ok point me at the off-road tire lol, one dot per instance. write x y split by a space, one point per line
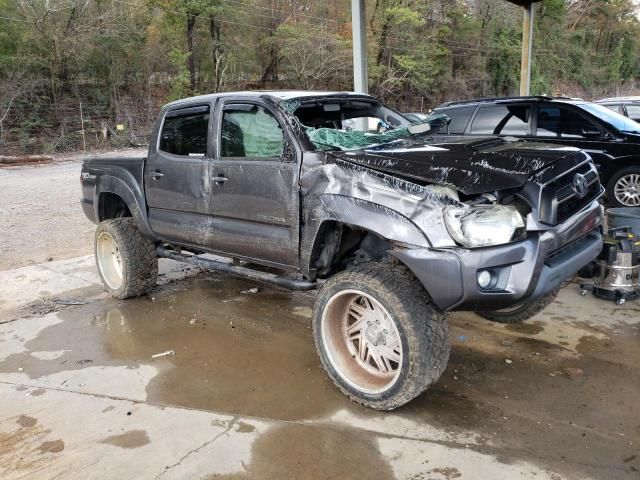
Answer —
422 329
138 258
611 184
522 312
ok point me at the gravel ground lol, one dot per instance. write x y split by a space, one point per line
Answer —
40 214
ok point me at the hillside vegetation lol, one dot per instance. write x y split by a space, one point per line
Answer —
72 70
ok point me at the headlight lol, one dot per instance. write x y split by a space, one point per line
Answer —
484 225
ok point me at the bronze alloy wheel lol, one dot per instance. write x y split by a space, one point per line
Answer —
362 341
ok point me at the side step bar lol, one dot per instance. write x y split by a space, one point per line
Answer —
270 278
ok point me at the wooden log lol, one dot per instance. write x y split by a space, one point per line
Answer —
24 159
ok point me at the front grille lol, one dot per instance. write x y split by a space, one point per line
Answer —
559 199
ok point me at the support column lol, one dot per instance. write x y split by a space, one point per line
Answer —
358 22
527 41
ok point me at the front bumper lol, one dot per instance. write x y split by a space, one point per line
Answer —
527 269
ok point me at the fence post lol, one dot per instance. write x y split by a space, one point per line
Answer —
84 140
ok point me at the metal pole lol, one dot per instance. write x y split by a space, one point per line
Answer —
358 25
84 141
527 41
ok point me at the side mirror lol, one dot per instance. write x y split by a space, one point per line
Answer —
438 124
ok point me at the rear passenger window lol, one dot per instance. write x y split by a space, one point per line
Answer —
459 118
184 132
501 120
250 131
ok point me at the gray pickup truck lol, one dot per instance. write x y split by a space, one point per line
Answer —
394 229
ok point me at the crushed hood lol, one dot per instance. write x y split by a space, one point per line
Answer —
470 165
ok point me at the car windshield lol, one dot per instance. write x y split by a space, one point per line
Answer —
617 121
342 123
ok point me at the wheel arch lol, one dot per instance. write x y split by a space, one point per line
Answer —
346 224
632 164
617 165
110 190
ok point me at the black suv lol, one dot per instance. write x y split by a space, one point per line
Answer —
612 140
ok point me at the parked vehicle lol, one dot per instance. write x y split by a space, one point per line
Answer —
394 230
612 140
627 106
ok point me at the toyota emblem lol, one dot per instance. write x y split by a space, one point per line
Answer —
579 185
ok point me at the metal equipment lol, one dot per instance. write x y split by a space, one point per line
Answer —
616 271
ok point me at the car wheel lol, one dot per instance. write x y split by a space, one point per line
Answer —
522 312
379 338
125 258
623 190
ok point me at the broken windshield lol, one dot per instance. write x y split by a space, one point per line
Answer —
327 139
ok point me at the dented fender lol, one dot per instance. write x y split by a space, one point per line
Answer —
373 217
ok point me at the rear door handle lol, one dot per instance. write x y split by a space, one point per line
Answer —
156 175
220 179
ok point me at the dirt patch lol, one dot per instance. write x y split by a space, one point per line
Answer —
26 421
130 439
53 446
530 328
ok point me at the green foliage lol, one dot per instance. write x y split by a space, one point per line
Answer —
179 82
123 59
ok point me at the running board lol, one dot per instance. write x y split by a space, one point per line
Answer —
270 278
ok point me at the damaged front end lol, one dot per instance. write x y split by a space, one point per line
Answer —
517 245
484 224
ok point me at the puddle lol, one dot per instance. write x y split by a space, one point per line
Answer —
321 453
254 355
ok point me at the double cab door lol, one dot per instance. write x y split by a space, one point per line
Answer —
226 186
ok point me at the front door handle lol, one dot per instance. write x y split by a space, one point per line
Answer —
220 179
156 175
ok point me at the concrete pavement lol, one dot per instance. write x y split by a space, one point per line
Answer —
243 395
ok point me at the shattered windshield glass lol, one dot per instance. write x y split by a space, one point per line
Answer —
327 139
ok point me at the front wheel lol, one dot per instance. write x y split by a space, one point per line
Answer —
522 312
623 190
379 338
125 258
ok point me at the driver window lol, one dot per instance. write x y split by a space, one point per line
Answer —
250 131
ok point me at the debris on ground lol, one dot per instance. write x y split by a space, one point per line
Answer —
70 301
573 372
508 361
251 291
163 354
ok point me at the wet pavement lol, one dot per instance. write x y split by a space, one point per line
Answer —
238 391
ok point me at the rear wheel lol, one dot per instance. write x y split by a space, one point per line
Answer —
623 190
379 338
125 258
522 312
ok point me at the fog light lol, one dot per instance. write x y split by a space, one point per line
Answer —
484 278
